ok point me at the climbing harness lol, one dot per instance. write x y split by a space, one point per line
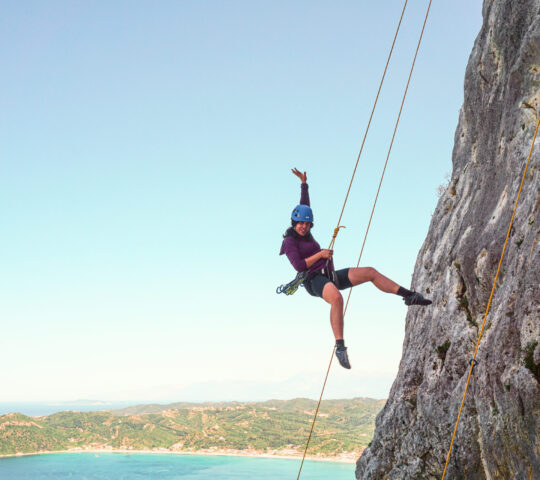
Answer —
376 197
473 361
302 277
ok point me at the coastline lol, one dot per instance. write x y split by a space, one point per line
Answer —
346 457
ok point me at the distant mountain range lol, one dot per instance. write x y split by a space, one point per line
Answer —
362 381
278 427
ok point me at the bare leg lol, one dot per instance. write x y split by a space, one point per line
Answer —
369 274
333 296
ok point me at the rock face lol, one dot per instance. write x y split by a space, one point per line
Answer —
499 432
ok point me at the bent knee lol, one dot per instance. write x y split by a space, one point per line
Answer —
337 300
371 273
334 297
331 294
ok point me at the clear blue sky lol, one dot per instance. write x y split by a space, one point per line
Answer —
145 156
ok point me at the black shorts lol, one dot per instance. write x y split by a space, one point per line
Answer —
314 284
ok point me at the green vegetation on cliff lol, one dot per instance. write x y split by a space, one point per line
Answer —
273 426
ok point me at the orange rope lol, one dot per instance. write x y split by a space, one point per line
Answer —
473 360
316 412
390 148
372 112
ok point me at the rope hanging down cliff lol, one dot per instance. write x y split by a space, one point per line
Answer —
336 230
473 361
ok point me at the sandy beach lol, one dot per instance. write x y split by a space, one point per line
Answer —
346 457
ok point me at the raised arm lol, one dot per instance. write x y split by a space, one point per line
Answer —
304 193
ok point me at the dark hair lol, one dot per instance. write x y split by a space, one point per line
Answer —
291 232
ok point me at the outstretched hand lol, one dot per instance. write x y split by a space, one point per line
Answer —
300 175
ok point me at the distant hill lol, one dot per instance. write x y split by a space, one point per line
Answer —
296 404
163 407
272 427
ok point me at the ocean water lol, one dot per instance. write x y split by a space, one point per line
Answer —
40 409
122 466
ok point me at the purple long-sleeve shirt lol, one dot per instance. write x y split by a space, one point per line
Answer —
299 248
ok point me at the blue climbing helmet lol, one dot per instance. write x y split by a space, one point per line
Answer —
302 213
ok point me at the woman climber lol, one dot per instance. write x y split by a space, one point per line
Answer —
322 279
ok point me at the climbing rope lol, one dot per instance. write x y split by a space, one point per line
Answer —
369 122
315 414
390 148
336 230
473 361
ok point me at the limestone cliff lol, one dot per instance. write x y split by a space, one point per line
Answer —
499 433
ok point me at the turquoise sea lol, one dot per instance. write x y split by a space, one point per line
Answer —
122 466
41 409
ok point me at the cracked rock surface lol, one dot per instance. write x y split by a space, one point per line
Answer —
499 432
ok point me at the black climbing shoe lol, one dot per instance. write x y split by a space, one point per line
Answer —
341 354
416 299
